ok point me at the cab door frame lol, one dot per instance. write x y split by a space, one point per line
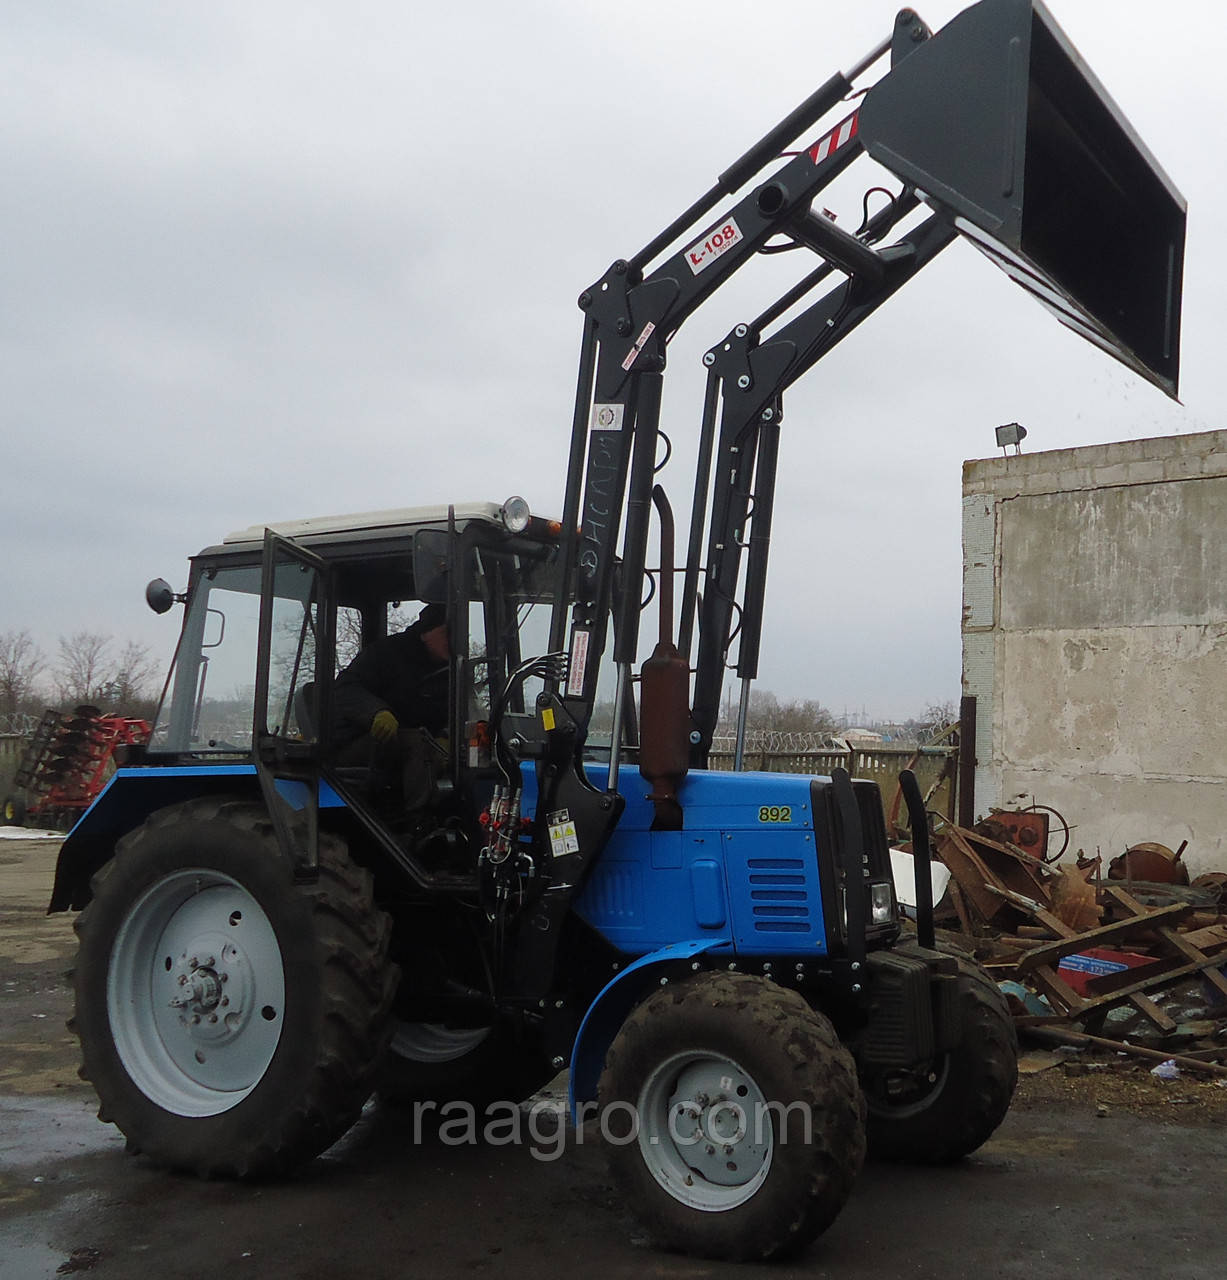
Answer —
288 763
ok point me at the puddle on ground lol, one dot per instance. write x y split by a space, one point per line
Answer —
30 1260
36 1134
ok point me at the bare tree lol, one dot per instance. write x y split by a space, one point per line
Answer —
21 663
769 715
90 671
932 723
81 670
132 678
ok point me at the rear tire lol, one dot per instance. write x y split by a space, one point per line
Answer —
956 1102
722 1162
230 1019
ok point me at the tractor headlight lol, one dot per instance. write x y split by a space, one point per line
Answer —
881 903
516 514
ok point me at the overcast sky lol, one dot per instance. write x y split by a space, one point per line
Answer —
268 260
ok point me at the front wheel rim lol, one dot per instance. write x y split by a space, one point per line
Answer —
196 993
705 1131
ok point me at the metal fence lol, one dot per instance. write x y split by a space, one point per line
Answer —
771 753
774 754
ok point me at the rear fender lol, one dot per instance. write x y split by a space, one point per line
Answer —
126 802
617 998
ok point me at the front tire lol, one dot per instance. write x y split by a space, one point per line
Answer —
951 1106
230 1020
733 1118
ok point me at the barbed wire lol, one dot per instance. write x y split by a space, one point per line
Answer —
774 740
18 724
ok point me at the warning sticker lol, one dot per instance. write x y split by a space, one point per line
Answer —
563 839
579 662
633 354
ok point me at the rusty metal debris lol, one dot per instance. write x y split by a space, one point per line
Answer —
1152 862
1138 952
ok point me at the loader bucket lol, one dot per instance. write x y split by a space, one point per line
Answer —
997 120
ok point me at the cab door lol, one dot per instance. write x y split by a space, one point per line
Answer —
293 674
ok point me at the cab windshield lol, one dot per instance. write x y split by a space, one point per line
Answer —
210 703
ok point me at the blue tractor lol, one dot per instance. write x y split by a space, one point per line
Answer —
275 922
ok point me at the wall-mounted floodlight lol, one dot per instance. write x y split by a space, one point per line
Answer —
1012 433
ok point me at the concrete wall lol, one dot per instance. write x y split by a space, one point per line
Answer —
1095 639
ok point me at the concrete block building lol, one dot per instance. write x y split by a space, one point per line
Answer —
1095 639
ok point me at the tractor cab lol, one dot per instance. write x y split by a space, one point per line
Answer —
274 615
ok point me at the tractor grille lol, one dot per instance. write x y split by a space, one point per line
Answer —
779 895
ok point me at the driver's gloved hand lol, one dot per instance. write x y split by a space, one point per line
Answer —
384 726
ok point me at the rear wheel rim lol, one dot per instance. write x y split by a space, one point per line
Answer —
434 1042
705 1132
915 1094
196 993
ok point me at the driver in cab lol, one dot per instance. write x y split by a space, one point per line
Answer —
393 690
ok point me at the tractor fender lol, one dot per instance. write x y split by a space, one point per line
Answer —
132 795
615 1000
124 803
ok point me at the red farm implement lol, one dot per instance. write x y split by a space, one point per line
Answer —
67 763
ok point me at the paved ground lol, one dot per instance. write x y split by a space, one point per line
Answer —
1062 1190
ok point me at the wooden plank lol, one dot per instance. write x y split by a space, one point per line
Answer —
1209 972
1153 983
955 895
1058 991
1057 1035
1212 938
1182 944
1061 994
1147 1007
1105 933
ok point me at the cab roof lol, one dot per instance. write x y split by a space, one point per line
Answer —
368 524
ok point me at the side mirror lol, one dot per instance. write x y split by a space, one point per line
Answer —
159 596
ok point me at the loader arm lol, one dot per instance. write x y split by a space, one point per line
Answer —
999 127
751 377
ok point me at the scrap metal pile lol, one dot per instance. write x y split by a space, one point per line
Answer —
1131 957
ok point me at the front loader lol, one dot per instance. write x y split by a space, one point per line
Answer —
269 930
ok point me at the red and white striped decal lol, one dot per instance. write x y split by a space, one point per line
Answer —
831 143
